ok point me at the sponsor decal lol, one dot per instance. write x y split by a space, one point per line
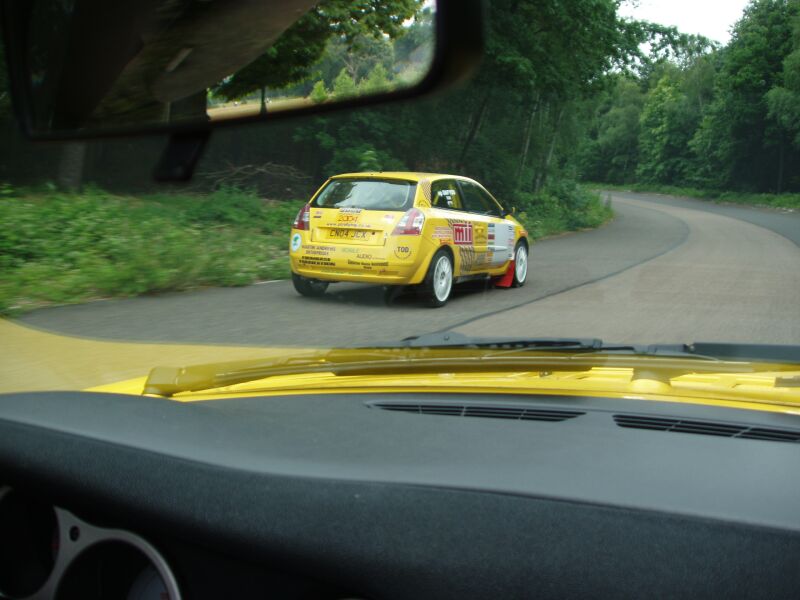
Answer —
316 261
346 250
364 255
317 214
467 256
350 209
462 234
367 264
442 233
346 217
402 252
350 225
490 234
297 242
388 219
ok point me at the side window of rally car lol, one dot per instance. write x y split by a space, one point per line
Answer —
445 194
478 201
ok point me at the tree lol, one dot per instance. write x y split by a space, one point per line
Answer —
783 103
738 145
611 150
293 55
319 94
377 81
344 86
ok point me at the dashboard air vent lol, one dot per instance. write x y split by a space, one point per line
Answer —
707 428
487 411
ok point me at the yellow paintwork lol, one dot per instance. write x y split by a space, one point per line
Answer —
36 360
383 258
44 361
755 391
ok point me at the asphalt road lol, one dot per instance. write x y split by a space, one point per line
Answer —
665 270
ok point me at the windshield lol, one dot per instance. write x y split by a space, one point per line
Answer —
369 194
610 172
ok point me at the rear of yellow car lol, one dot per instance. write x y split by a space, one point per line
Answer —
362 229
381 228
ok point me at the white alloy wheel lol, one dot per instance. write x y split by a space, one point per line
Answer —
443 278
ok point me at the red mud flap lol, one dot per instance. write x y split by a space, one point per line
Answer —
505 280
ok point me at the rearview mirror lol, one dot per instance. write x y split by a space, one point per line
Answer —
88 68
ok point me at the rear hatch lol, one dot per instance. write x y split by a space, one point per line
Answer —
359 212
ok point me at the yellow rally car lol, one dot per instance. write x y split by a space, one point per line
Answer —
422 229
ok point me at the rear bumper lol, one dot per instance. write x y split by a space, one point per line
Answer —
386 265
390 277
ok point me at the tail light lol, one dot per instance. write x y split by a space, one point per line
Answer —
411 223
302 218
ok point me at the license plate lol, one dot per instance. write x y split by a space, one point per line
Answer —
349 234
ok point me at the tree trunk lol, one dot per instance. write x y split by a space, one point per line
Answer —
527 144
263 108
781 165
70 165
474 129
542 175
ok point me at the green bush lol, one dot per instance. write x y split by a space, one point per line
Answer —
562 206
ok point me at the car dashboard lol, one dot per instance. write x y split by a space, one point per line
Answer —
395 496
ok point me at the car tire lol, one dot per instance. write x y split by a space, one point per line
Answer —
309 287
520 264
438 283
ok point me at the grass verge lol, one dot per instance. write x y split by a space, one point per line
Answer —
65 248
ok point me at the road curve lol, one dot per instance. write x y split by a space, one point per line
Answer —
657 273
729 281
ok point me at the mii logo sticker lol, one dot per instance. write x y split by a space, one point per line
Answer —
462 234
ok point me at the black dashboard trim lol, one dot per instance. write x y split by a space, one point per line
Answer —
398 538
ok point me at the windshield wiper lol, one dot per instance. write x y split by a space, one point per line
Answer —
698 350
168 381
458 340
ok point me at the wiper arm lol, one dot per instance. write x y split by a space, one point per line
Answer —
698 350
168 381
458 340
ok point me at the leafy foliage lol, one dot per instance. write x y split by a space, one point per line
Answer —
291 58
720 119
67 248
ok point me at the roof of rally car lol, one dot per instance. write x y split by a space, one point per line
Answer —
404 175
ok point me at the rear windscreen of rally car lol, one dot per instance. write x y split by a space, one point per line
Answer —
367 194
